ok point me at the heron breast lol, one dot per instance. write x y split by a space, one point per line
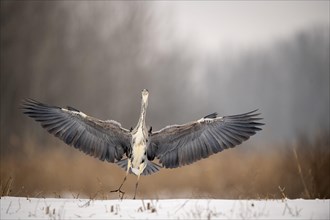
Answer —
138 137
138 155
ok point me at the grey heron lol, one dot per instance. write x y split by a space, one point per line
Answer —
136 149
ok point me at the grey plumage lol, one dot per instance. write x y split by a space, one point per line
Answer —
105 140
180 145
135 149
174 146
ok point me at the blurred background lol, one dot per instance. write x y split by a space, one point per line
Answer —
195 58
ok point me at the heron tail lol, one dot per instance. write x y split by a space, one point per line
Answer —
150 168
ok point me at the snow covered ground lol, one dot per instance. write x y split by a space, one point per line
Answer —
50 208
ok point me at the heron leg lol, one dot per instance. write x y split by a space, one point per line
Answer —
141 168
136 185
121 193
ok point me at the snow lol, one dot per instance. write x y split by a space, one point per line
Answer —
51 208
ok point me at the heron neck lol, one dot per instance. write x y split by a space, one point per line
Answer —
142 120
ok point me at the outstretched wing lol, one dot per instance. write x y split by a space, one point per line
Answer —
179 145
105 140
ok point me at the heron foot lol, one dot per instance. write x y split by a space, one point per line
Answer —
121 193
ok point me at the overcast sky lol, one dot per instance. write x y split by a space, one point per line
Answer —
97 49
213 24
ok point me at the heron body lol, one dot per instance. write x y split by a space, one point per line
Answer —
138 158
136 149
139 143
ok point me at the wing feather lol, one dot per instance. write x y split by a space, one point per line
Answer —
105 140
180 145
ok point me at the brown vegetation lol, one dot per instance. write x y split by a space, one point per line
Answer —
297 170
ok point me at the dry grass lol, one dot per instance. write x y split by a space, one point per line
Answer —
297 170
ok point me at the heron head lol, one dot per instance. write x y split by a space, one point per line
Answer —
145 95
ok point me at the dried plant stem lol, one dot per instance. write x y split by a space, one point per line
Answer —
282 192
301 174
7 187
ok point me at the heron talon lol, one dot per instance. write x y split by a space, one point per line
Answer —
121 193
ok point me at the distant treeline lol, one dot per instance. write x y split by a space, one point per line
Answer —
97 57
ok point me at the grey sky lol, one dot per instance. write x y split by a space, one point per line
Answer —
213 24
93 54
